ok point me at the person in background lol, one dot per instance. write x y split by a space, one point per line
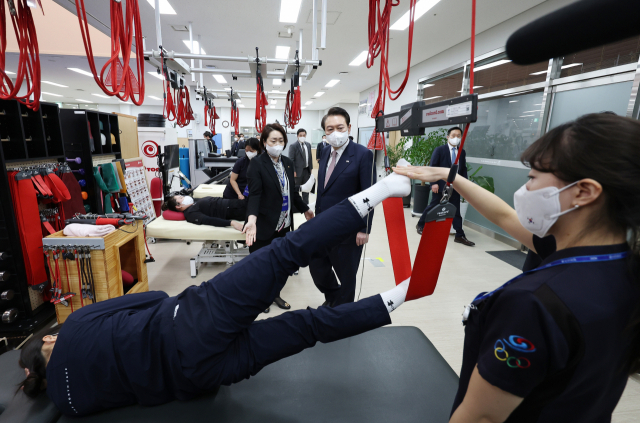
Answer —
235 188
212 145
444 156
319 148
272 194
300 153
212 211
235 145
345 169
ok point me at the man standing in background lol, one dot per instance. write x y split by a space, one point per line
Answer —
300 153
320 147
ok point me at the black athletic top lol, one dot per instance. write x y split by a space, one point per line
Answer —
239 168
208 211
116 353
555 337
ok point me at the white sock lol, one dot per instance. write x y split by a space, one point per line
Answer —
393 185
306 187
394 298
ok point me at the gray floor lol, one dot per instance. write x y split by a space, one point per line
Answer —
465 272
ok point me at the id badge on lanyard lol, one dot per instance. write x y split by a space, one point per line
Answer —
246 191
285 203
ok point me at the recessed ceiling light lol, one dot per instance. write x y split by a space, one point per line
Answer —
571 65
276 92
282 52
332 83
519 92
474 87
289 10
156 74
491 65
431 98
274 101
514 101
238 101
428 85
538 73
272 107
220 79
84 72
101 95
532 111
308 102
539 104
240 105
277 81
55 95
83 101
53 83
319 93
154 97
165 7
227 89
360 59
527 115
422 7
196 47
303 107
12 73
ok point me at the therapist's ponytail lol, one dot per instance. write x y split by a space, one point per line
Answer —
604 147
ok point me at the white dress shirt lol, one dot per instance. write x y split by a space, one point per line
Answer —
339 151
306 157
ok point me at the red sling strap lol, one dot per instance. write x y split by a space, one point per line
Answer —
58 188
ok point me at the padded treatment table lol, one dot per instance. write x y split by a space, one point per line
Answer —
391 374
213 190
20 408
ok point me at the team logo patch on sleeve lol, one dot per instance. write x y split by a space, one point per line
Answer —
515 344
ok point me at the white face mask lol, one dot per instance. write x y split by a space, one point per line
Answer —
302 139
454 141
251 154
275 151
186 201
337 139
539 210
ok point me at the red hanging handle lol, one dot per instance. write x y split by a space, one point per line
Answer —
261 108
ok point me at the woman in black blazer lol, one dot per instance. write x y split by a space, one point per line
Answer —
272 194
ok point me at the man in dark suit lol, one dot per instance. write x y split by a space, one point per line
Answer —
237 145
212 145
444 156
319 148
345 169
300 153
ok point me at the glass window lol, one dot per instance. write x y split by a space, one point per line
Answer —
506 126
500 74
607 56
568 105
364 135
440 88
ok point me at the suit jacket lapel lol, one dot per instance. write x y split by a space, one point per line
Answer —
343 162
448 153
322 171
271 170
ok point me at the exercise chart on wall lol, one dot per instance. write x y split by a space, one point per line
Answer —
138 190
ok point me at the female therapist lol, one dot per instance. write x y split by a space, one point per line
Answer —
238 181
557 344
271 198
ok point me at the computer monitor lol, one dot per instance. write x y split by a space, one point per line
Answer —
172 156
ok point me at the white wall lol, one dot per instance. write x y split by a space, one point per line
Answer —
489 40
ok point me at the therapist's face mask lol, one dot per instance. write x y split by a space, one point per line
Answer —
337 139
186 201
275 151
454 141
251 154
539 210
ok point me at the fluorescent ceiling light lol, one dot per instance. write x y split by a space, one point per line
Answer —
514 101
55 95
282 52
165 7
238 101
156 74
272 107
12 73
101 95
533 111
308 102
571 65
53 83
303 107
277 81
83 101
475 86
227 89
277 91
422 7
539 104
220 79
428 85
196 47
519 92
431 98
332 83
274 101
289 10
319 94
491 65
240 105
84 72
527 116
538 73
362 57
154 97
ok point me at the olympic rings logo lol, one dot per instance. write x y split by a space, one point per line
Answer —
150 149
517 343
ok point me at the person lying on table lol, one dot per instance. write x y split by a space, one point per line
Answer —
212 211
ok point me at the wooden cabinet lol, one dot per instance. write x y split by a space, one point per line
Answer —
128 136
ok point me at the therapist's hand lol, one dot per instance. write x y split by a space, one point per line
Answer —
250 230
309 214
435 188
423 173
236 225
361 238
240 197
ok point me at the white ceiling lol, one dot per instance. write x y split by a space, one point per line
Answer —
236 27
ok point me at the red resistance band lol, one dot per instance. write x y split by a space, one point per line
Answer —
261 105
169 108
235 117
29 57
213 116
184 116
292 111
116 76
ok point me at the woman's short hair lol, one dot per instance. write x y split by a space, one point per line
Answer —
208 134
254 144
270 127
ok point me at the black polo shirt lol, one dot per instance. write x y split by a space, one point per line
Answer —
556 338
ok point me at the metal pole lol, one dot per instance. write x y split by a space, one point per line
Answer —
314 31
158 30
200 52
323 32
174 55
193 63
300 44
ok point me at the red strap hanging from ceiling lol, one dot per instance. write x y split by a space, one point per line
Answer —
235 114
116 77
261 98
293 106
184 115
28 71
